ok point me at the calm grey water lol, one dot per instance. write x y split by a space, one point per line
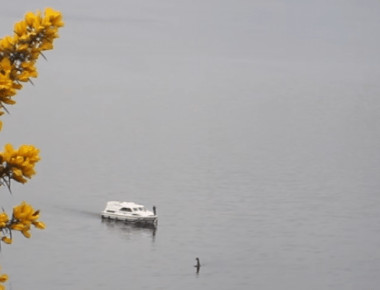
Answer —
253 126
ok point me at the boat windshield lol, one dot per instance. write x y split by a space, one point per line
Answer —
126 209
139 209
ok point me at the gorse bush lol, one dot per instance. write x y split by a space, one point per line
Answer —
18 56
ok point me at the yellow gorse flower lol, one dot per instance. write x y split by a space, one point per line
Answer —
4 219
18 53
18 164
23 217
18 56
3 278
24 212
6 240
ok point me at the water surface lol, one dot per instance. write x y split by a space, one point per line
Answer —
253 126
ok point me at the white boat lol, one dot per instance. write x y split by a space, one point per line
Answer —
129 212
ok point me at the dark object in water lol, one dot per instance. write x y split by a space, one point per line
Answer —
198 265
154 210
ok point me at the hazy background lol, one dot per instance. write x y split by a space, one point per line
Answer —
253 126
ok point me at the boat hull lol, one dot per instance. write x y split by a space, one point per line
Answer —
130 219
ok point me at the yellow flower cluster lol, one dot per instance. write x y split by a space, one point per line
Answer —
24 216
3 278
4 226
18 164
18 53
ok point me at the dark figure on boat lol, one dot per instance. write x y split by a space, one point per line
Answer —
198 265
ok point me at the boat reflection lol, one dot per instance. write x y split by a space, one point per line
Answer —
130 228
